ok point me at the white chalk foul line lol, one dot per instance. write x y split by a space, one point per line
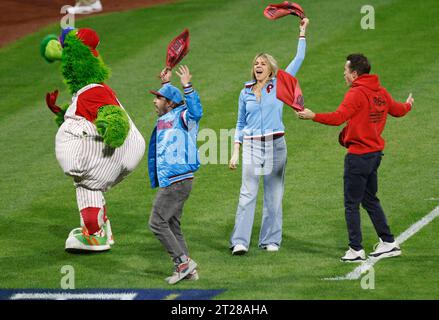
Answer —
370 262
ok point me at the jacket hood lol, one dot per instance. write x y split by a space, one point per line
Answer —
370 81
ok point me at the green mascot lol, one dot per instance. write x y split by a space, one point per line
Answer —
97 144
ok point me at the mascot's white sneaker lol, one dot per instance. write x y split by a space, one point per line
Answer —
75 231
110 238
82 241
85 9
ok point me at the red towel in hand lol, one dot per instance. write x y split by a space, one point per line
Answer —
276 11
288 91
177 49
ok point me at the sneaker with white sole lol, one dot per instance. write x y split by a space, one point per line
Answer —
182 270
239 250
192 276
108 230
271 248
352 255
75 231
82 241
385 250
85 9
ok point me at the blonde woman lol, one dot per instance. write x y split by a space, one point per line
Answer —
260 131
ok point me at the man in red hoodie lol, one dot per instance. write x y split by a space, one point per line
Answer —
365 109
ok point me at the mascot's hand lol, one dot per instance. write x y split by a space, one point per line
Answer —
58 111
51 102
113 125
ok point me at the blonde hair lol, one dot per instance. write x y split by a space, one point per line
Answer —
271 62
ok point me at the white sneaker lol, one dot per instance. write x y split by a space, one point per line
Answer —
272 248
354 256
239 250
83 241
181 271
85 9
386 250
75 231
192 276
108 232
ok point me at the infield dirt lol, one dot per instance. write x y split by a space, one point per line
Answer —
18 18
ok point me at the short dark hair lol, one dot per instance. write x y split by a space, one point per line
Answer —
359 63
174 105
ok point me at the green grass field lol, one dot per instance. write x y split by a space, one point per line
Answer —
38 206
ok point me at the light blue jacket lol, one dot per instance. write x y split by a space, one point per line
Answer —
264 117
173 154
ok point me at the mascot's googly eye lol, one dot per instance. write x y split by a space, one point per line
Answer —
51 49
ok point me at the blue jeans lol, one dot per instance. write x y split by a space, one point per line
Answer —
267 159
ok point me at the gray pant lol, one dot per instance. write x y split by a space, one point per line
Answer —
165 217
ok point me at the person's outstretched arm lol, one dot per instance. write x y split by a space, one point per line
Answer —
347 109
295 65
399 109
194 107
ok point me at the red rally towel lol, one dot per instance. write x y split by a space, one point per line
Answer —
276 11
288 91
177 49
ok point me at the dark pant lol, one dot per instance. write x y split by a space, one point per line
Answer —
165 217
360 187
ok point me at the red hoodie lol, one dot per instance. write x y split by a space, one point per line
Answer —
365 108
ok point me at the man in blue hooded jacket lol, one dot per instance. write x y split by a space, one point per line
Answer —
172 161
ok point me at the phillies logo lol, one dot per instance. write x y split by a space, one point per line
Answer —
164 125
269 87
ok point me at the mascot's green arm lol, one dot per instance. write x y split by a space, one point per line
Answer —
113 125
59 117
